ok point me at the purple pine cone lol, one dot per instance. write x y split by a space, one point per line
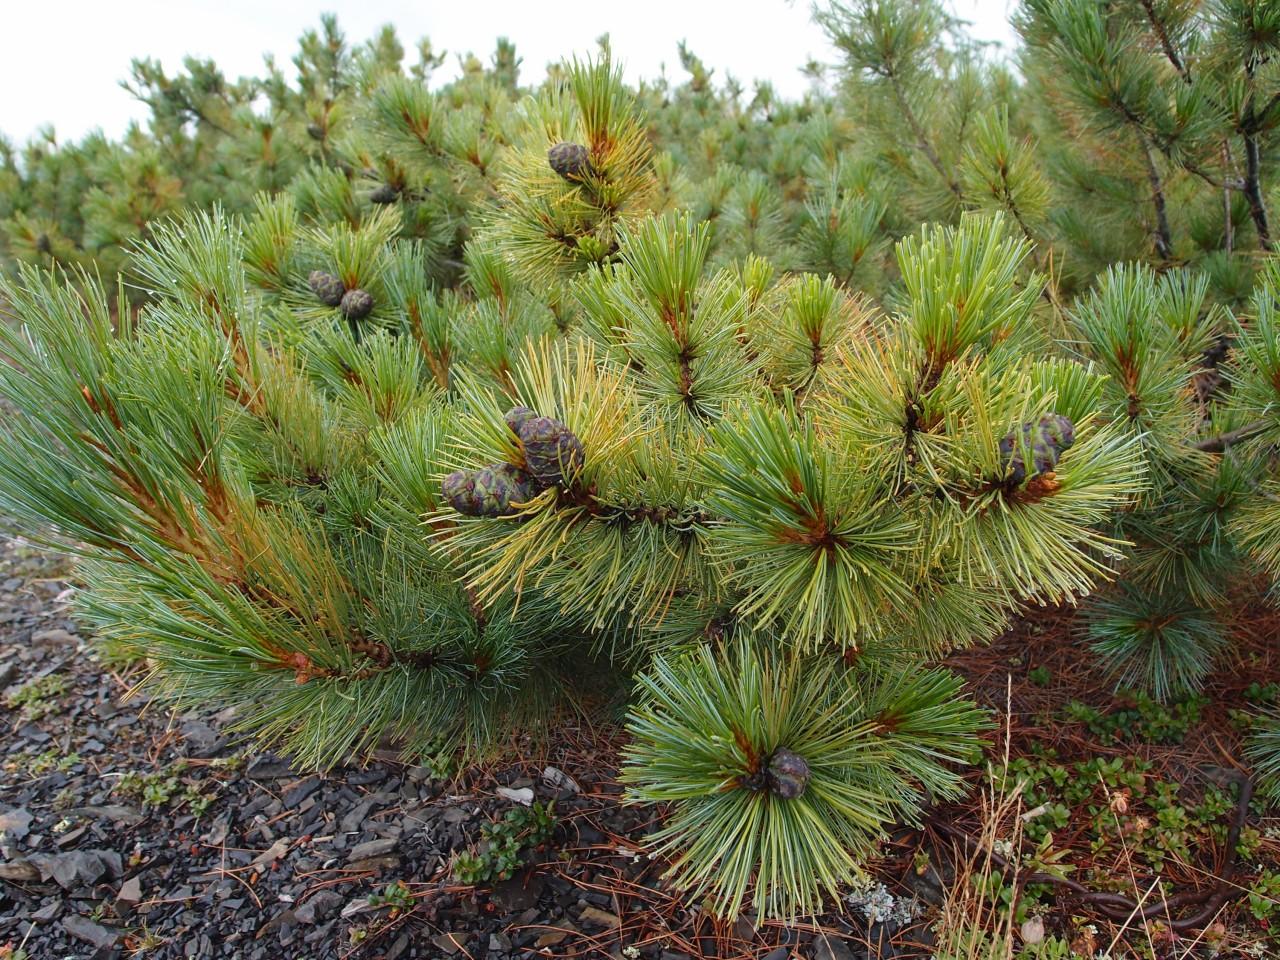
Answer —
517 417
499 488
570 160
356 304
1047 438
788 774
459 490
552 452
491 491
327 288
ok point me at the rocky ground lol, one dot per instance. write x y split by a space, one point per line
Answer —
128 831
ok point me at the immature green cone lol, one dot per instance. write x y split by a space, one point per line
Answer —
459 491
386 193
1048 438
327 288
498 488
787 774
1058 429
356 304
490 491
516 417
570 160
552 452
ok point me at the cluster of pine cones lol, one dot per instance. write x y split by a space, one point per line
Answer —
552 457
355 304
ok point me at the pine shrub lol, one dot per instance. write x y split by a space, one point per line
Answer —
420 415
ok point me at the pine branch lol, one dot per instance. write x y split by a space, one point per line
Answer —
922 139
1163 235
1253 190
1166 43
1224 441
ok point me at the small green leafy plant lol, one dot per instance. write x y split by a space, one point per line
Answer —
395 896
37 698
1264 896
1143 719
161 788
38 764
504 842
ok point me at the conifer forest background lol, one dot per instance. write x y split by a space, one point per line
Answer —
542 515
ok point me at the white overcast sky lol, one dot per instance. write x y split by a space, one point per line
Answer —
62 60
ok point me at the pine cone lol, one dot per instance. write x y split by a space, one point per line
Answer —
787 774
1047 438
327 288
570 160
499 487
1058 429
491 491
315 131
1216 353
459 490
386 193
517 417
552 452
356 304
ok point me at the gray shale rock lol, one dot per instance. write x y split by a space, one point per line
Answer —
94 934
830 947
373 848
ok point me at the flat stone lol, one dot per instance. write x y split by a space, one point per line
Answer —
560 780
512 895
320 906
199 733
601 918
265 768
15 824
48 912
522 795
357 906
94 934
114 812
54 636
553 937
450 943
19 870
272 853
70 837
78 867
301 791
375 864
130 891
373 848
829 947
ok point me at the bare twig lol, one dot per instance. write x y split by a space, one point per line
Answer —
1224 440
